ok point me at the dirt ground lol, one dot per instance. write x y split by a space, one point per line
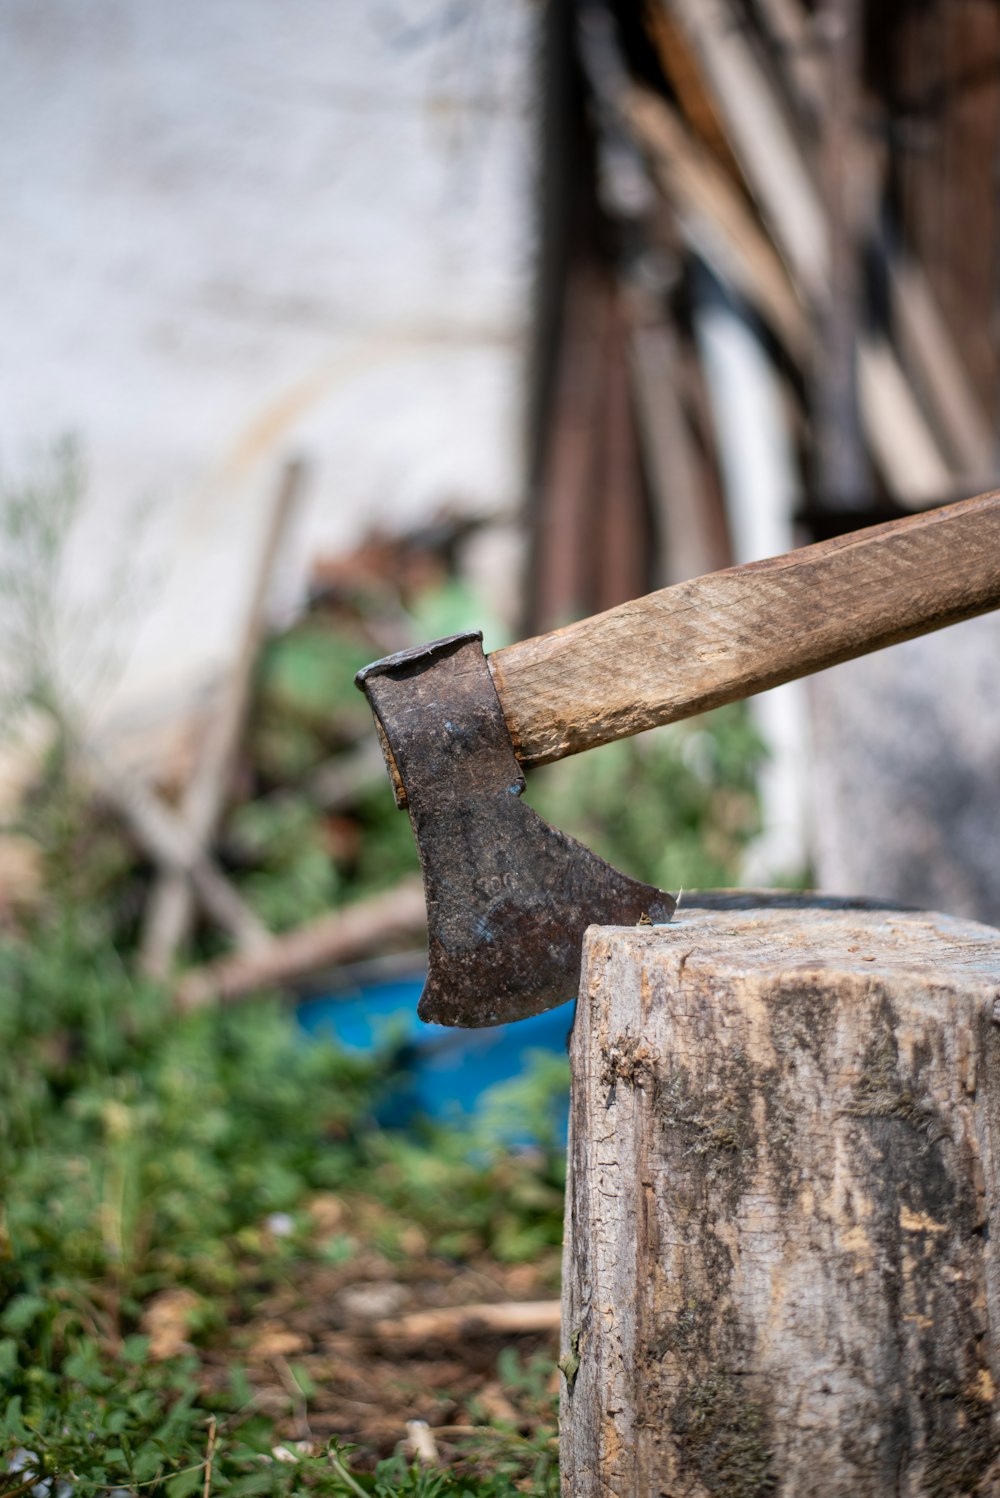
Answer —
336 1350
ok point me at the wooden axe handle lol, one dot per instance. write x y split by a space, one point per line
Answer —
728 635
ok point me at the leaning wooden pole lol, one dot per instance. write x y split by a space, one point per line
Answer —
171 905
782 1270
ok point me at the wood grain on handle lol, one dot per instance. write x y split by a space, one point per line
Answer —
728 635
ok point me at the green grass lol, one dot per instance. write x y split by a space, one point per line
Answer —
140 1150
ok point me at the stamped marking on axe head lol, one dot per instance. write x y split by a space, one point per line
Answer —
508 896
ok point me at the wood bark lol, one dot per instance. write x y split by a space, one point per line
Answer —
781 1268
726 636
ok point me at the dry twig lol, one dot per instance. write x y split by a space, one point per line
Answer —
209 1456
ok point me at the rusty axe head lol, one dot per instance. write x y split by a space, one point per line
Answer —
508 896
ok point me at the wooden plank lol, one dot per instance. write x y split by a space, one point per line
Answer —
781 1271
842 473
900 440
622 523
927 347
716 219
929 351
562 584
761 140
689 543
694 646
779 179
792 34
681 68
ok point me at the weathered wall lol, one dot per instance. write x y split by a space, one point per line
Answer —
237 230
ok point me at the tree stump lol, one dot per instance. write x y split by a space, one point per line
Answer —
781 1268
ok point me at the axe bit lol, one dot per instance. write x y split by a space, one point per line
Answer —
508 896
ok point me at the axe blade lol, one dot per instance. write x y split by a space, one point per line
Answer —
508 897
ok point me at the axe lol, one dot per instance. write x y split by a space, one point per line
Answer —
508 896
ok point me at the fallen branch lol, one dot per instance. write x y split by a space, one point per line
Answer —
345 935
522 1316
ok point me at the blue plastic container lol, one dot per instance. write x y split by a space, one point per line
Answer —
444 1071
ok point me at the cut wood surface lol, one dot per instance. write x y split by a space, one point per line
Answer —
781 1272
726 636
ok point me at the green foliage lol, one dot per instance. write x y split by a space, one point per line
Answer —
141 1149
133 1140
307 705
468 1200
528 1106
451 608
292 878
309 673
306 697
388 851
136 1429
675 807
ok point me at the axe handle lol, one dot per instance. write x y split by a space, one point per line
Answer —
728 635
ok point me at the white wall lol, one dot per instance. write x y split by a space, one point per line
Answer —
234 230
